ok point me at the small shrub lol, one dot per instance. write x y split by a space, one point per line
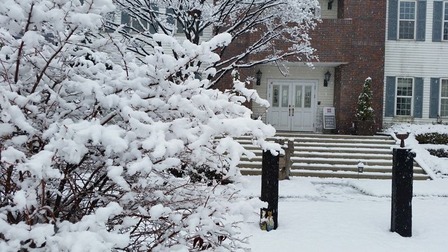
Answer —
432 138
441 153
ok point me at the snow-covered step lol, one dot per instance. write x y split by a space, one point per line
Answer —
341 149
319 155
353 145
349 168
340 160
345 174
344 155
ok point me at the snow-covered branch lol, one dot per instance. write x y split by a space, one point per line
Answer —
102 149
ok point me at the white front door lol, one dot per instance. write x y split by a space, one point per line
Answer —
292 105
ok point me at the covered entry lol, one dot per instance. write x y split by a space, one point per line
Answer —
292 104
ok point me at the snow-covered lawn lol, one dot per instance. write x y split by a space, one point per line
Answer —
349 215
354 215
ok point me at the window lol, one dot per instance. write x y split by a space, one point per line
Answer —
172 20
140 25
404 96
445 21
406 20
444 98
141 21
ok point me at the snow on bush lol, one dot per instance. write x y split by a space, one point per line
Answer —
100 154
435 166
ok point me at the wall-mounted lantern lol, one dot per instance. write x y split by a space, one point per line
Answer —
258 77
330 4
360 167
327 77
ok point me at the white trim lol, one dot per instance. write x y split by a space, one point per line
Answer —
291 83
414 20
440 97
445 5
397 96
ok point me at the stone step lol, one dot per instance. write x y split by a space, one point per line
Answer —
344 155
293 134
340 161
347 142
338 149
351 168
330 167
345 146
335 159
336 156
339 174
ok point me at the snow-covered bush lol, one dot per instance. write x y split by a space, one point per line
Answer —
365 116
364 110
98 151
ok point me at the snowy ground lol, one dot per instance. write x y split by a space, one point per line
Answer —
349 215
354 215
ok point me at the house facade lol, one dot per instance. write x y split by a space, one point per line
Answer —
401 44
416 70
350 44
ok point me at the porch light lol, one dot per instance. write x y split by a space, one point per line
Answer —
327 77
258 77
360 167
330 4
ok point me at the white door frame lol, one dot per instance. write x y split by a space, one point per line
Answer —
294 107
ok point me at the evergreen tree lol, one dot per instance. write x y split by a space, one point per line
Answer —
364 110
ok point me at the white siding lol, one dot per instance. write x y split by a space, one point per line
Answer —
424 59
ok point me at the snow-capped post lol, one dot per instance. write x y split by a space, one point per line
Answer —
269 190
402 176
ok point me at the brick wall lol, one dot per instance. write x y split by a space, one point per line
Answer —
357 40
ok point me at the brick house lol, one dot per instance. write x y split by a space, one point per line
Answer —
350 43
401 44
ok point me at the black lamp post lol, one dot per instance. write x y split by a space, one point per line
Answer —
327 77
258 77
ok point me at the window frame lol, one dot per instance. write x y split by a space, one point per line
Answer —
403 96
441 98
399 20
445 21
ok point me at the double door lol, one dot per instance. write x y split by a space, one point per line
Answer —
292 105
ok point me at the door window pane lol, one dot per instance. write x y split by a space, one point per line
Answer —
275 96
308 97
298 103
285 96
